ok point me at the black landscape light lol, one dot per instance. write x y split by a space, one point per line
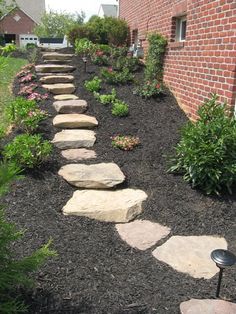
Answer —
85 60
222 258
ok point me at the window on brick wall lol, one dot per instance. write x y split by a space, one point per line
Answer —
181 27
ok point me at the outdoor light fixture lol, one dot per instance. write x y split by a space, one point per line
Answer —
84 58
222 258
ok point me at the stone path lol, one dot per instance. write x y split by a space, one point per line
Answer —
96 200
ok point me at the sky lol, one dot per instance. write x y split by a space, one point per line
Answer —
90 7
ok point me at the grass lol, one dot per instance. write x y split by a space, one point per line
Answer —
8 69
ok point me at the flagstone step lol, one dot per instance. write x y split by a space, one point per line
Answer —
70 106
57 56
191 254
66 97
57 61
111 206
78 154
207 306
67 139
54 68
97 176
74 121
142 234
60 88
54 79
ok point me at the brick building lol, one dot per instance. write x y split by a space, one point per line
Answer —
18 24
201 51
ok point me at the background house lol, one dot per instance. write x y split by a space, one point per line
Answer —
18 24
108 10
201 52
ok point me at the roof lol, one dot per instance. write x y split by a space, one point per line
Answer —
108 10
15 9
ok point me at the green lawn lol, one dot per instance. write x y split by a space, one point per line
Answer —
8 69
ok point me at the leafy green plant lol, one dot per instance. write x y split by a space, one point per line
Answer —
126 62
206 153
149 89
115 78
25 114
27 151
125 142
84 47
106 99
120 108
93 85
6 50
99 58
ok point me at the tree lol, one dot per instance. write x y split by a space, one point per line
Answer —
55 24
4 7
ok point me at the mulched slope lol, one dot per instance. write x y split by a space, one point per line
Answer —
95 271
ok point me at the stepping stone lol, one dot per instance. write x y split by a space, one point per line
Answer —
191 254
57 61
142 234
66 97
98 176
67 139
207 306
74 121
54 68
57 56
60 88
78 154
70 106
111 206
53 79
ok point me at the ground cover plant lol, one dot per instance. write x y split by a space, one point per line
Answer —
106 99
93 85
119 108
116 77
206 153
125 142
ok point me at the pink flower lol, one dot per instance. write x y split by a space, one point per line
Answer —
99 53
158 86
110 69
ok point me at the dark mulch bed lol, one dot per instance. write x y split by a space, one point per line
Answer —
95 271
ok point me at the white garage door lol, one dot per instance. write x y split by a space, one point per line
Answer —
28 39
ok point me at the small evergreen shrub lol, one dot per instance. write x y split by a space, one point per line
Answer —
106 99
126 62
125 142
120 108
27 151
116 78
93 85
206 153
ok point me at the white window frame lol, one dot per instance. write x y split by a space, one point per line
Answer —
179 28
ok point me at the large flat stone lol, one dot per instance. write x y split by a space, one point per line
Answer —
57 61
67 139
191 254
66 97
54 68
98 176
60 88
112 206
74 121
142 234
57 56
78 154
70 106
54 79
207 306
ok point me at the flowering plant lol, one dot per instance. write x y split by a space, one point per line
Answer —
125 142
25 70
27 89
27 78
37 96
149 89
115 77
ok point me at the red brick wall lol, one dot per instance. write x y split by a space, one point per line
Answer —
24 26
206 61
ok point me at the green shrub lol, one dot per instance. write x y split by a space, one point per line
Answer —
84 47
25 114
149 89
27 151
120 108
93 85
125 142
99 58
117 31
106 98
115 78
130 63
206 153
6 50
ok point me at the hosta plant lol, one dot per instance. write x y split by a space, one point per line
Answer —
125 142
206 153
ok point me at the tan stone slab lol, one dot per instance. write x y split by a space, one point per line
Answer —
111 206
98 176
54 79
57 56
60 88
191 254
57 61
67 139
74 121
70 106
66 97
207 306
54 68
78 154
142 234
